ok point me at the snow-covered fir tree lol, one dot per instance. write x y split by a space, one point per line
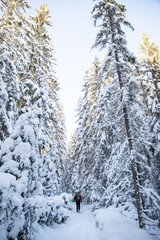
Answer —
43 67
149 77
81 158
9 90
11 206
32 125
134 158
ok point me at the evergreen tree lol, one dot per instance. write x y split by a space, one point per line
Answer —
149 76
134 153
52 113
9 92
150 62
32 127
11 13
82 158
69 166
61 149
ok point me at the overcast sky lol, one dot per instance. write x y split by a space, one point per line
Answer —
73 35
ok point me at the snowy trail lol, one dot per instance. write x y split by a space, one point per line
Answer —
80 226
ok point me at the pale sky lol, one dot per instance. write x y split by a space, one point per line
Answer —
73 35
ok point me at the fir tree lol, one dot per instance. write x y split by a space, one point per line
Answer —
149 77
51 108
82 157
30 123
134 153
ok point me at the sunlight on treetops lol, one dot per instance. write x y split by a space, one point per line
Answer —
42 17
149 50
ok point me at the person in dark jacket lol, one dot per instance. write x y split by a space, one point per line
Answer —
78 200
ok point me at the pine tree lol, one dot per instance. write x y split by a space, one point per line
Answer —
61 149
149 76
82 157
149 59
29 111
11 62
9 92
52 119
134 155
69 166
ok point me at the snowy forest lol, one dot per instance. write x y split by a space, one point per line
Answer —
113 156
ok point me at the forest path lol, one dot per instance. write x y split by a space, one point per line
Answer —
82 226
79 226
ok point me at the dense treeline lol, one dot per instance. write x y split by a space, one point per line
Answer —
114 156
32 131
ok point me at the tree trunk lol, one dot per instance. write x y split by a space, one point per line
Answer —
128 135
133 163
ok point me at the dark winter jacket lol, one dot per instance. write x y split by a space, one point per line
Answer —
78 197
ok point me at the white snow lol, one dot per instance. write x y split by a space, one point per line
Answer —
6 180
115 226
7 146
23 150
103 224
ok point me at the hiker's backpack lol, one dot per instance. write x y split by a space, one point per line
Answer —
78 196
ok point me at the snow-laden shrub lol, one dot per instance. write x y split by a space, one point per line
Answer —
11 205
68 198
49 210
20 217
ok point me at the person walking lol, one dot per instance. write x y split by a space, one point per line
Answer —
78 200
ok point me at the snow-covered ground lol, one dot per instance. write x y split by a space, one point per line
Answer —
104 224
